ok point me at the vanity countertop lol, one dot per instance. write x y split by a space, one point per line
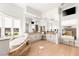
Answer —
51 33
35 33
41 33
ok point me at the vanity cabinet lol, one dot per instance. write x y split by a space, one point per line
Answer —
34 37
51 37
38 36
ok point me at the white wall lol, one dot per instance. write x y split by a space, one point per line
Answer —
73 19
15 11
32 15
54 23
52 14
77 25
11 9
69 22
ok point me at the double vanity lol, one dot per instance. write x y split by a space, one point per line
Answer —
50 36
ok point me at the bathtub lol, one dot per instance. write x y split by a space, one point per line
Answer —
17 42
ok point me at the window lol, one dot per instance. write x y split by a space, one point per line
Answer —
8 22
0 21
16 27
15 31
0 32
0 24
8 26
7 31
16 23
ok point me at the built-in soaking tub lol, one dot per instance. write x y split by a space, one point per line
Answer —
18 42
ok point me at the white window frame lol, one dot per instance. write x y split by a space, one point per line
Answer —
3 15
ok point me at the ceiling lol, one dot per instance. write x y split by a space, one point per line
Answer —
42 7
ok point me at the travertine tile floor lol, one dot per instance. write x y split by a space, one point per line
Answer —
46 48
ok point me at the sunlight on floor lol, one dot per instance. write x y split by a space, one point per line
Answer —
41 47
